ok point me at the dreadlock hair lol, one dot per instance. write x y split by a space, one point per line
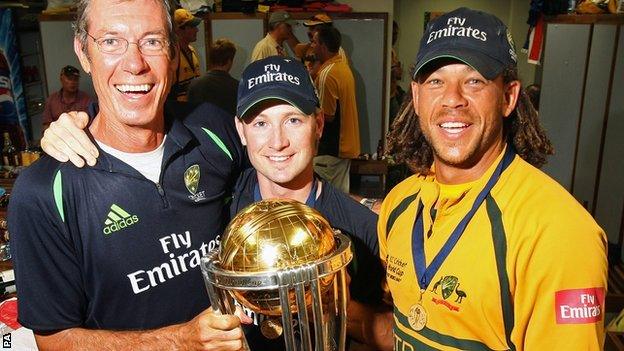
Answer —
522 129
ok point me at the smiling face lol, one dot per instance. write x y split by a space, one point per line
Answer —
131 87
461 115
281 142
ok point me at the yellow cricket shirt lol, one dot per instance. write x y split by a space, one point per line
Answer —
528 273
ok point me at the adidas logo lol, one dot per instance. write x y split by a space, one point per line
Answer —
118 219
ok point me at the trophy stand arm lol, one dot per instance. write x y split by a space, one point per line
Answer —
302 311
222 303
317 309
287 318
342 309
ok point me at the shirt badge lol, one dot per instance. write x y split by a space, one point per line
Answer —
191 181
579 306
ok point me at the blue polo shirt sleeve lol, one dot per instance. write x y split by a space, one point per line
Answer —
215 129
46 263
218 128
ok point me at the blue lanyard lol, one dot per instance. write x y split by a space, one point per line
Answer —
311 201
424 273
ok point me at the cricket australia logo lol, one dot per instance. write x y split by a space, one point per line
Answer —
448 285
191 181
118 219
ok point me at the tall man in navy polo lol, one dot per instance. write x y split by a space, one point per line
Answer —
107 257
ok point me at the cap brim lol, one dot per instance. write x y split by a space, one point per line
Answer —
310 23
193 22
272 93
489 67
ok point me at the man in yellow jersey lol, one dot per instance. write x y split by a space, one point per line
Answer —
188 62
336 86
304 51
483 251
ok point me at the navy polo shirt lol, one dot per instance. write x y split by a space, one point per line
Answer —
104 247
352 219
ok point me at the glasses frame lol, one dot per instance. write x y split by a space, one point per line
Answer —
137 43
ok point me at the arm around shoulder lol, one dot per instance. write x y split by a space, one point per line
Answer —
66 140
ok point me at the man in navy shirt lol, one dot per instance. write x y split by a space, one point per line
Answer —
107 257
280 123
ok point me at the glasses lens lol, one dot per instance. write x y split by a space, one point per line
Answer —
152 46
112 45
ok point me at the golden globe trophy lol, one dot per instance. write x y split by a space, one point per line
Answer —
280 258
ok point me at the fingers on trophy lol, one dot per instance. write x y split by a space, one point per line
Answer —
281 258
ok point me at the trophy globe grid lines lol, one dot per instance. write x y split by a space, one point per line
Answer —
272 235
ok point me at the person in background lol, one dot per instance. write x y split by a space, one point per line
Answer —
217 86
304 50
188 61
68 98
482 249
336 86
312 64
112 260
280 30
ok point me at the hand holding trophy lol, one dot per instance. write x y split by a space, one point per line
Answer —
280 258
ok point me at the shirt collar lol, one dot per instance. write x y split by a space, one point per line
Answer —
178 137
336 58
272 40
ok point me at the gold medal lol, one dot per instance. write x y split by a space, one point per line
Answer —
271 328
417 317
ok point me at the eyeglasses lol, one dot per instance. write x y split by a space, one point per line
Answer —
117 46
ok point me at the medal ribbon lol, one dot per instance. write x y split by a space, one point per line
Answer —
424 273
311 201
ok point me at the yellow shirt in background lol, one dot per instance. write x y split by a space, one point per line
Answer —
188 69
266 47
336 89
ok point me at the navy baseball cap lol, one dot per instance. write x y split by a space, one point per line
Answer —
276 78
476 38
